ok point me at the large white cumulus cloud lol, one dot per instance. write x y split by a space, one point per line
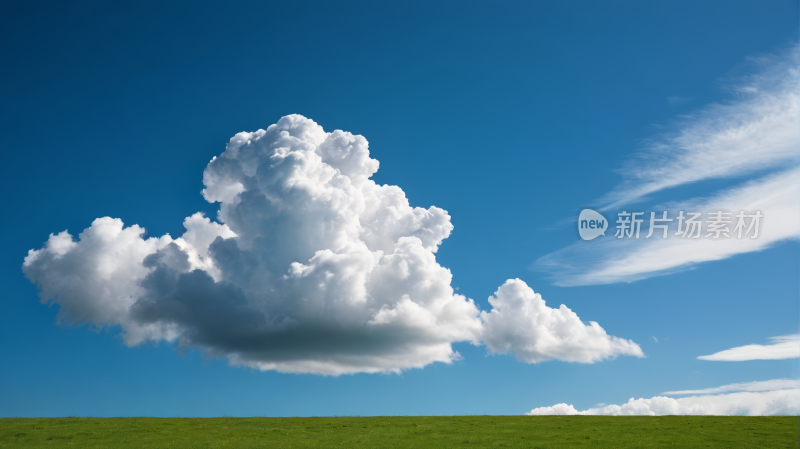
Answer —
312 268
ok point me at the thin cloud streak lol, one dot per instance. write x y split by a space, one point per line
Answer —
762 385
756 131
783 347
613 260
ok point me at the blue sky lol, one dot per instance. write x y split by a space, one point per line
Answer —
511 117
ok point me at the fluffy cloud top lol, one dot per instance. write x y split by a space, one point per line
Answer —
312 268
776 397
783 347
521 323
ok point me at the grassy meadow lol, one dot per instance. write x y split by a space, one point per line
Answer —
404 432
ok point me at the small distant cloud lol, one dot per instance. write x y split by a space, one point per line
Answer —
675 101
654 338
521 323
771 397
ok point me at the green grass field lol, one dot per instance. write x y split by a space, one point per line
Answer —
404 432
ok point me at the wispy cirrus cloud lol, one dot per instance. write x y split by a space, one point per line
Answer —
612 260
754 135
782 347
756 130
761 385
